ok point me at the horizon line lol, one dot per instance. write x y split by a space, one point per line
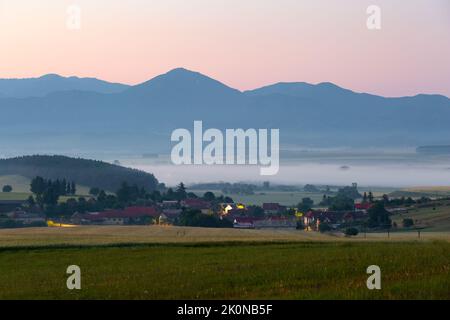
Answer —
214 79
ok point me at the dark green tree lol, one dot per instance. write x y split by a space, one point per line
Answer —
38 185
94 191
370 197
408 223
209 196
378 216
73 188
181 191
305 205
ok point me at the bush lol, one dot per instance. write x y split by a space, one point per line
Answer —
324 227
194 218
351 232
408 222
7 188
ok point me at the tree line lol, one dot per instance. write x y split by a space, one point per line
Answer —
47 191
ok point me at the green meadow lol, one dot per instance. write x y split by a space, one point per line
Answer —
229 270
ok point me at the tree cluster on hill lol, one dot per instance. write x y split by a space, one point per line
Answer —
90 173
404 201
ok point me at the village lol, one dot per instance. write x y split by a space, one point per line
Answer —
55 203
169 212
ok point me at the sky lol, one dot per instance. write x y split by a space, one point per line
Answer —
244 44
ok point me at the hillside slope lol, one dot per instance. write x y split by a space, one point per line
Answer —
84 172
50 83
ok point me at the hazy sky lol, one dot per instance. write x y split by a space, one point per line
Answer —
243 43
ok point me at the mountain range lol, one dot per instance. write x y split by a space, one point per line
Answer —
56 114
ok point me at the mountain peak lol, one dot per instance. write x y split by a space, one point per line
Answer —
182 80
51 76
180 70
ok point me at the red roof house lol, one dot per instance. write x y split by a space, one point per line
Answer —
363 206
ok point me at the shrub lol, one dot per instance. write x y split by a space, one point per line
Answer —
408 222
351 232
7 188
324 227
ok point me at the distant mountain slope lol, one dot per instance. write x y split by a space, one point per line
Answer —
40 87
142 117
84 172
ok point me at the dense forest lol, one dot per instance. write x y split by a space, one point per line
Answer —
91 173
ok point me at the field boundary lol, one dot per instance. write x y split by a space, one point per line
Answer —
212 244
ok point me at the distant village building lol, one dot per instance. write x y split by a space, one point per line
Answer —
260 223
130 215
172 204
198 204
11 205
363 206
273 208
27 218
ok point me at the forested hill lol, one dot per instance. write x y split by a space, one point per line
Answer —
89 173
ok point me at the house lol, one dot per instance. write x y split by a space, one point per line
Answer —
244 222
198 204
232 208
171 214
225 208
273 208
259 223
129 215
27 218
11 205
170 204
363 206
276 222
313 218
354 216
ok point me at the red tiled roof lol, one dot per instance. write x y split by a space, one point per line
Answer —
363 206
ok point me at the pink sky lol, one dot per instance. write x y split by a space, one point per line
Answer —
243 43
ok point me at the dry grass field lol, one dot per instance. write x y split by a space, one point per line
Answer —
108 235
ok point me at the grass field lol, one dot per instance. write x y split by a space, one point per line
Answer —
437 219
308 270
154 262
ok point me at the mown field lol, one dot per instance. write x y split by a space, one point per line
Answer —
198 263
308 270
